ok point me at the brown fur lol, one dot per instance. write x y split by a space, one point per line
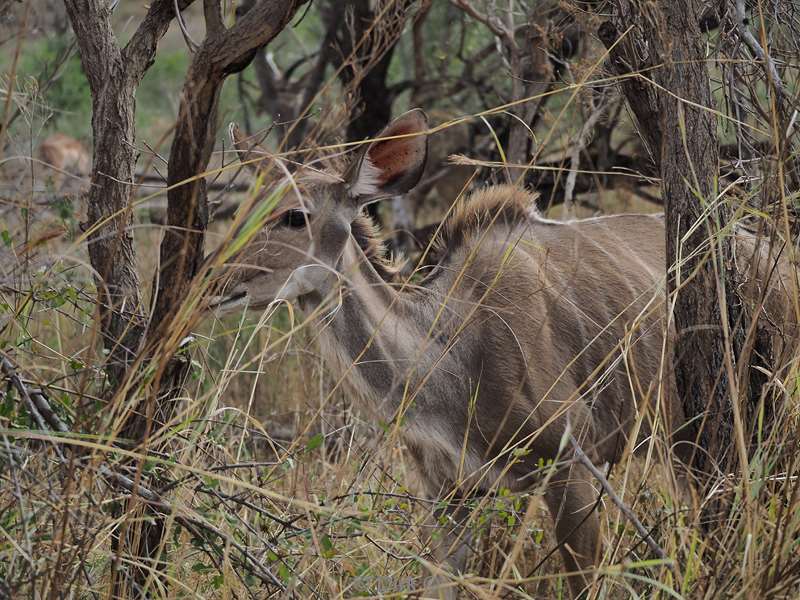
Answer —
533 329
366 235
488 207
64 154
495 205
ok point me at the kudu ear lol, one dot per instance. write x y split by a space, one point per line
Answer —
392 166
248 150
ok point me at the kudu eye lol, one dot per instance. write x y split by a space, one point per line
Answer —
294 218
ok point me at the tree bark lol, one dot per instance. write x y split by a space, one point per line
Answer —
682 138
222 53
630 54
114 74
705 304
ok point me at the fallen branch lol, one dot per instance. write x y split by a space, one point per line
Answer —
581 457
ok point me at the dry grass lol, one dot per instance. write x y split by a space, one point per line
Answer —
270 472
269 467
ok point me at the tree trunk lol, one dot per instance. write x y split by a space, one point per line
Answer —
114 74
223 52
111 245
682 139
704 278
109 218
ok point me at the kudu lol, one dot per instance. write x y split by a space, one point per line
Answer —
526 330
64 157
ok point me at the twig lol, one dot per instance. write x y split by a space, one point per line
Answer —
575 157
581 457
154 500
751 41
37 403
19 497
38 406
244 502
190 43
496 28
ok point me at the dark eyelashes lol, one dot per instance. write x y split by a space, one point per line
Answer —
294 218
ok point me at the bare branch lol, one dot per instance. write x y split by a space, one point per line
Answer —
96 42
769 64
574 160
581 457
190 43
39 408
212 10
35 400
490 22
219 56
142 45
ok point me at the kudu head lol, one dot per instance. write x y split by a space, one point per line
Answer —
299 250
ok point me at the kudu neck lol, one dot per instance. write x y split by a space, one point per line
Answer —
374 332
359 282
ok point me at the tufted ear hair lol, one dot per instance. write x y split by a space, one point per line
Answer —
249 150
391 166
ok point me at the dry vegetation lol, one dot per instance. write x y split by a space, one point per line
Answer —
269 480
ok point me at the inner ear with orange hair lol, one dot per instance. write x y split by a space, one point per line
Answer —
394 162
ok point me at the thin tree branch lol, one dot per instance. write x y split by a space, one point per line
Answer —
190 43
581 457
747 36
491 23
35 400
39 408
574 160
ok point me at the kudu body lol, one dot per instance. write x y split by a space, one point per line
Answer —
64 156
526 330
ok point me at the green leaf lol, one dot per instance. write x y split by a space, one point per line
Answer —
538 536
328 551
199 567
315 442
